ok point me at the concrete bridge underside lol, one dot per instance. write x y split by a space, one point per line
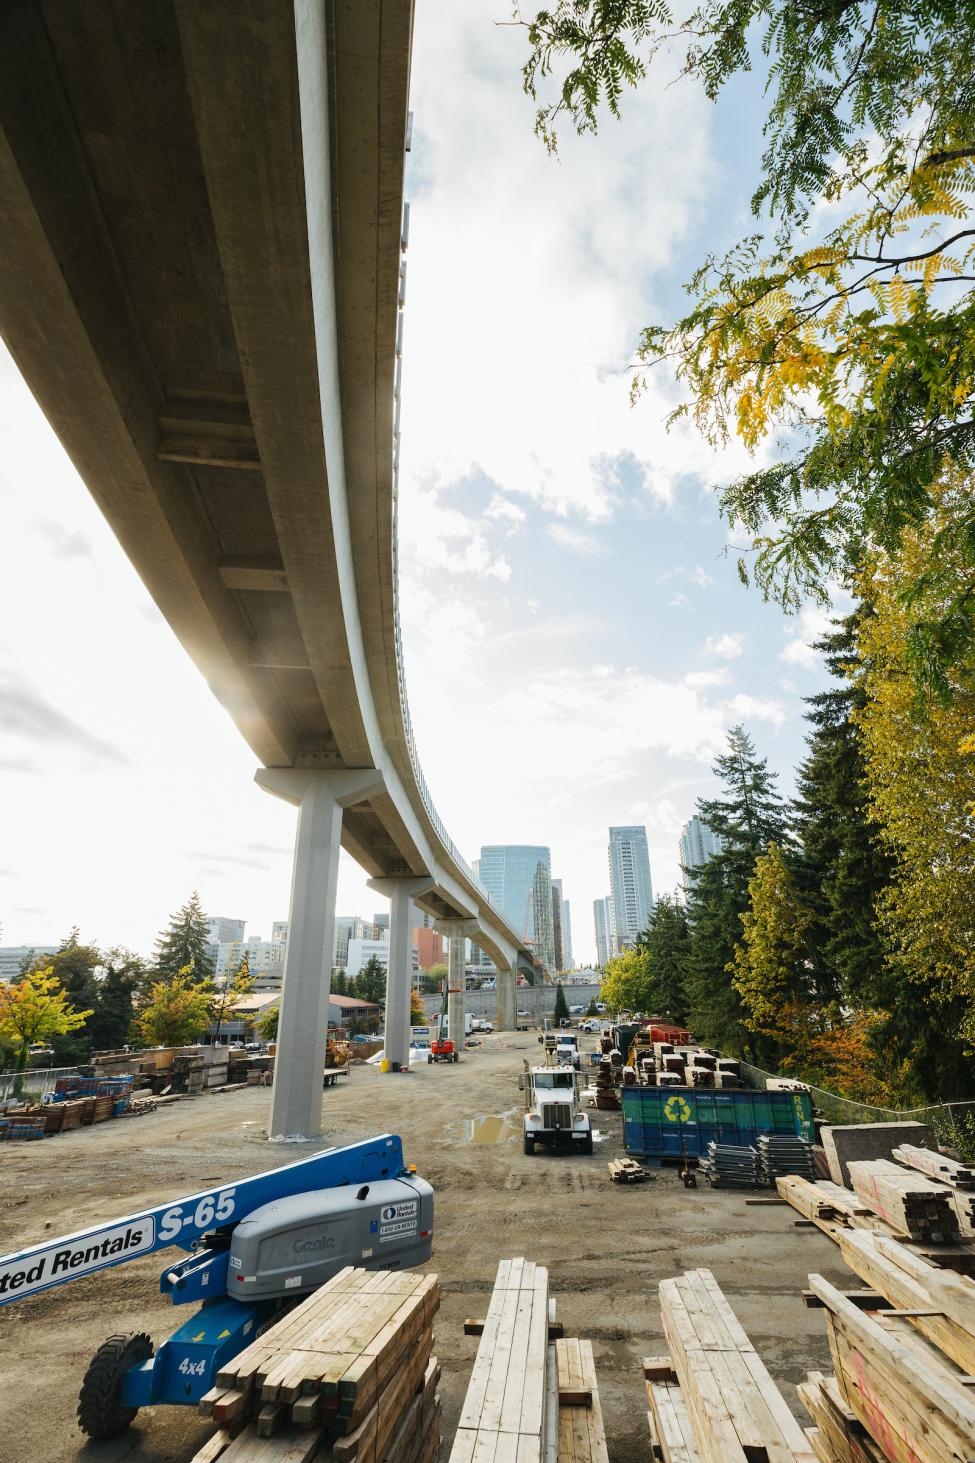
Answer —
200 280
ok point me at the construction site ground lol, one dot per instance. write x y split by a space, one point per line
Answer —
606 1245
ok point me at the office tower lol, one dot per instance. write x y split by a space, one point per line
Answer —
559 943
697 845
602 918
567 937
279 932
225 931
518 881
348 927
630 886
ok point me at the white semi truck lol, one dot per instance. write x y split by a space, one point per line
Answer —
552 1112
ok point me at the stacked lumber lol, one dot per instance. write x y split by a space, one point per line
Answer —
937 1166
911 1204
735 1412
906 1394
607 1098
839 1434
22 1125
103 1109
581 1437
626 1171
822 1200
958 1180
508 1395
671 1432
530 1398
348 1374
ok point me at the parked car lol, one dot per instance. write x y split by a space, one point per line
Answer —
524 1013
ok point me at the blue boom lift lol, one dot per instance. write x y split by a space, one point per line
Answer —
256 1247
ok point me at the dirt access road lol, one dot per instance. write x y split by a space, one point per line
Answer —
606 1247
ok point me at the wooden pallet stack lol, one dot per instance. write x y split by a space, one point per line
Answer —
348 1375
532 1396
912 1204
607 1078
712 1400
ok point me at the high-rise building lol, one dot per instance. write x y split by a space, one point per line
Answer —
697 844
518 881
567 937
348 927
13 957
429 946
602 913
629 879
225 931
279 932
560 962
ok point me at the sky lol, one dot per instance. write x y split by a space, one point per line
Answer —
577 640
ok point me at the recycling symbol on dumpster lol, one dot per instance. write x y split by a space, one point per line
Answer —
677 1110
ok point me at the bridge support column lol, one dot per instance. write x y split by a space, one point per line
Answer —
296 1098
457 985
507 1008
399 973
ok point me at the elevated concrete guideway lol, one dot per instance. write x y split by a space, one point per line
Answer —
201 235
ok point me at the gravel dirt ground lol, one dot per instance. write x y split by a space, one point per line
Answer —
606 1246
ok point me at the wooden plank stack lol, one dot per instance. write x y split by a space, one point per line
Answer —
912 1204
626 1171
607 1079
957 1178
349 1374
671 1431
906 1394
736 1412
529 1401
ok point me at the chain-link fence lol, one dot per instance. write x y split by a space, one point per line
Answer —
953 1122
30 1086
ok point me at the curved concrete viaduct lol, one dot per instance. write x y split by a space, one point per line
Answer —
201 282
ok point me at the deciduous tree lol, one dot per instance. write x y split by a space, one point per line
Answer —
226 997
35 1009
177 1011
849 325
920 765
771 968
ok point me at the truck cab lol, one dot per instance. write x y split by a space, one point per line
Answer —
552 1112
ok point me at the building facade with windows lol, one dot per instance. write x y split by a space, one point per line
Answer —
697 844
518 880
602 913
630 884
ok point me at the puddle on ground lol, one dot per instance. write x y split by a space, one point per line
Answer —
493 1129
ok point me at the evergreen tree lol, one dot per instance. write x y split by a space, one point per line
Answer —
561 1012
339 985
841 867
370 984
109 1024
666 943
185 943
748 817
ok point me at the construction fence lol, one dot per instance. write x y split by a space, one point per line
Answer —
953 1122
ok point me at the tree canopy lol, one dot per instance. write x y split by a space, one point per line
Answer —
35 1009
177 1011
843 323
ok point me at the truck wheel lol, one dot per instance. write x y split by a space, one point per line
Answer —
456 1057
529 1144
100 1414
586 1144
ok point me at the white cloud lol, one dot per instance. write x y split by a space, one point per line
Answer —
702 679
814 622
505 512
728 646
758 708
576 542
678 601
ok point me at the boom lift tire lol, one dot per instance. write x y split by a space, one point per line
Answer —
99 1412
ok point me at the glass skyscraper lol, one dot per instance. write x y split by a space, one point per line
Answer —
602 914
697 845
629 879
518 879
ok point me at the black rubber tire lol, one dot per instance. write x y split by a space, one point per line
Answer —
456 1056
99 1412
529 1145
586 1145
429 1061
